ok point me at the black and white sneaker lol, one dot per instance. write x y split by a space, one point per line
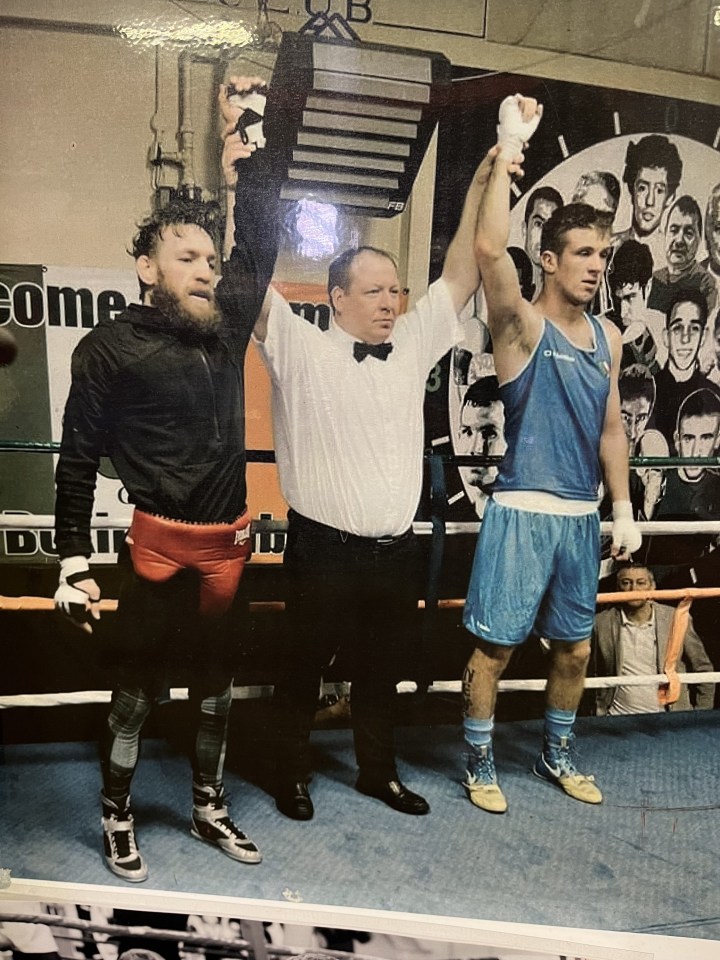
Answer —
119 845
211 822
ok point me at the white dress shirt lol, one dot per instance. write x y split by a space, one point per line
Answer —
348 435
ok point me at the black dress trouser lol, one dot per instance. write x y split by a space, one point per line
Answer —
355 596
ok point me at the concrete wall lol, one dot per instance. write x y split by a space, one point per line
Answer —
89 90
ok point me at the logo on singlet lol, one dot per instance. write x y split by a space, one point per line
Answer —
556 355
604 367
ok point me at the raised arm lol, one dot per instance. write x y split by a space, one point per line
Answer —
234 151
513 322
626 537
460 270
251 235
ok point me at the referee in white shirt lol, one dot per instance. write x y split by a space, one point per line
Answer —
348 432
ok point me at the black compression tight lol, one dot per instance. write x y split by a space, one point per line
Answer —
120 743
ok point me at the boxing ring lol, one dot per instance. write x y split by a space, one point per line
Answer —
643 861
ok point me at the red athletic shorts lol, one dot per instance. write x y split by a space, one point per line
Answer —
160 548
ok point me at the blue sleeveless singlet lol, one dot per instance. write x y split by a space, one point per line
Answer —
554 415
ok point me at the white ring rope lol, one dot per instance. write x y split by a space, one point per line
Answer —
27 521
648 527
405 686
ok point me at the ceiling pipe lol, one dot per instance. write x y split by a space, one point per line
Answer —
186 133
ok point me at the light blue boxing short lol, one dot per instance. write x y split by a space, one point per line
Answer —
533 572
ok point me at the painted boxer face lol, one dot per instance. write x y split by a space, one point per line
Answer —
684 334
716 341
650 197
541 213
682 239
712 229
630 302
635 414
595 194
481 433
697 437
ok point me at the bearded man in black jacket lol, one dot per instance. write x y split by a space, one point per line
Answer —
159 389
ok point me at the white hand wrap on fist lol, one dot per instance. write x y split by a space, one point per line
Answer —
513 130
77 595
626 536
250 124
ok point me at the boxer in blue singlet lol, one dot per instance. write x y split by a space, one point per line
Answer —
537 557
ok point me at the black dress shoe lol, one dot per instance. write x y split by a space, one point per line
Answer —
293 799
395 795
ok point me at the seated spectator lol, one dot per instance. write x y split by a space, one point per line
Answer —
632 640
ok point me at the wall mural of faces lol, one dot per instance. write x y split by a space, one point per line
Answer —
661 289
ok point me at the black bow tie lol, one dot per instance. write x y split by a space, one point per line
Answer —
379 350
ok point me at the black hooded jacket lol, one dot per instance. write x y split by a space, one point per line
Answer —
166 405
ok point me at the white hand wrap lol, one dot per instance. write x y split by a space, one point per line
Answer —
250 124
514 132
73 600
626 536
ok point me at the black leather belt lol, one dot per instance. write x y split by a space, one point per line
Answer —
344 535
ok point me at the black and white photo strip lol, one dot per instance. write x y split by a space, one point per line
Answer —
359 479
88 932
35 930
